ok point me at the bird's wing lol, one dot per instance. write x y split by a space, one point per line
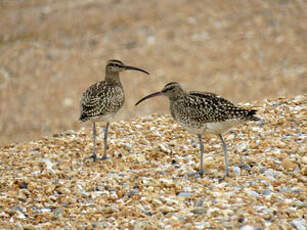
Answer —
96 100
209 107
93 94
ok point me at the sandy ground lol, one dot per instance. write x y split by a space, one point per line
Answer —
51 51
147 184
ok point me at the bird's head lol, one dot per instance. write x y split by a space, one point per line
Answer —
116 66
172 90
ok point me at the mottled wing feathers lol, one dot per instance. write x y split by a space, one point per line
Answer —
208 107
251 116
101 99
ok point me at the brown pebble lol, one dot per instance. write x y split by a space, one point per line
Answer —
288 164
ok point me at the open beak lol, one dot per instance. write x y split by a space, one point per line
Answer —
135 68
149 96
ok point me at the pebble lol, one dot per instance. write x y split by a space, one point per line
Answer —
132 192
267 192
299 224
199 210
260 122
245 167
261 169
288 164
284 189
254 193
237 171
270 174
202 225
242 147
199 203
213 212
23 185
164 148
247 227
184 194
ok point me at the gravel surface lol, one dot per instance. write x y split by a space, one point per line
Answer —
147 182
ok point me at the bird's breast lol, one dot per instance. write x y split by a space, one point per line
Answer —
116 99
209 127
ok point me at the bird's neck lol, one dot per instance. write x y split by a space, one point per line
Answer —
112 77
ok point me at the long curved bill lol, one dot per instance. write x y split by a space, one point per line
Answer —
149 96
136 68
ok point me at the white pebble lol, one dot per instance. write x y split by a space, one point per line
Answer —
247 227
241 147
237 170
164 148
20 215
299 224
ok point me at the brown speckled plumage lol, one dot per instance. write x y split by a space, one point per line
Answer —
102 100
203 113
195 109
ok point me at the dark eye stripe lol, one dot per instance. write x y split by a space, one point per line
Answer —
168 89
171 83
114 62
114 65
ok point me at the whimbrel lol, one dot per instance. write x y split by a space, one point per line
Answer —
203 113
102 100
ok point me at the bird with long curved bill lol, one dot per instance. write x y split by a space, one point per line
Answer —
203 113
102 100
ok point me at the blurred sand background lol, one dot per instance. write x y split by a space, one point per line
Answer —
52 50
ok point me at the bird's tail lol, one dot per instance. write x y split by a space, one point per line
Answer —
251 117
83 117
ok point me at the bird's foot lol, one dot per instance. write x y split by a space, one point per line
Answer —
197 174
93 156
104 157
245 166
223 177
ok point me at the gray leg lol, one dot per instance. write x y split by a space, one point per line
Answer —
201 167
225 154
94 156
94 141
105 141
